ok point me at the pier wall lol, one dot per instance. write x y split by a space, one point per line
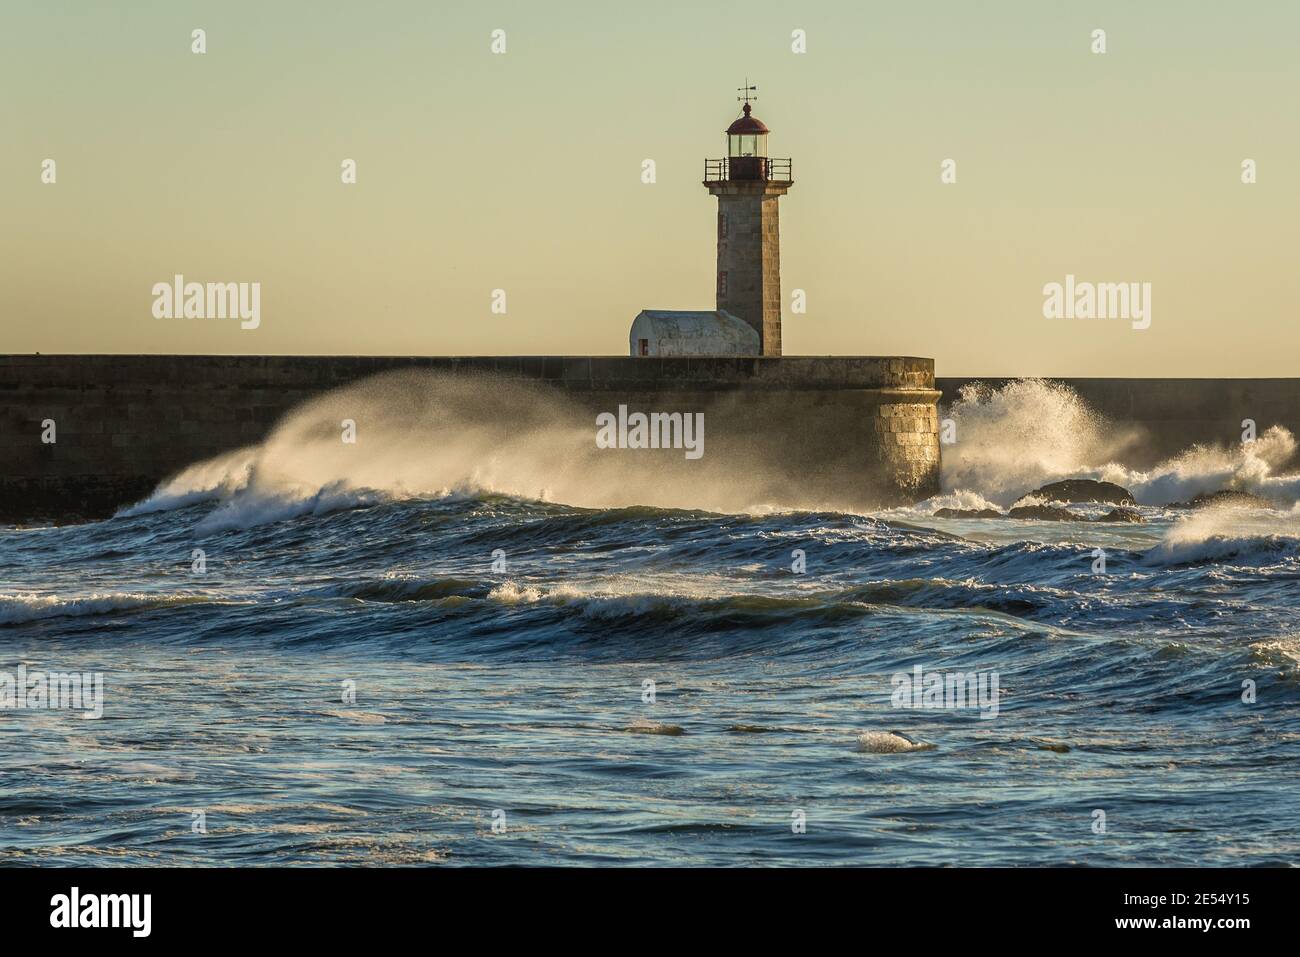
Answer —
851 432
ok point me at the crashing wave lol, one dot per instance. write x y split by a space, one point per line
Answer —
23 608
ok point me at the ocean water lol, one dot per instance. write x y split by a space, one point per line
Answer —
469 649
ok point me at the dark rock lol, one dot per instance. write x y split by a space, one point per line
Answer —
968 513
1046 513
1225 498
1083 490
1121 515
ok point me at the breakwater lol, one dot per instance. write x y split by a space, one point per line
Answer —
82 435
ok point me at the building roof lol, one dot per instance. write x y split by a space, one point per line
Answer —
695 333
746 125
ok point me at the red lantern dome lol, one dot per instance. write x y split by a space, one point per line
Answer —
747 125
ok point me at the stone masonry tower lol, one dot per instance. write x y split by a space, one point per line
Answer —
748 184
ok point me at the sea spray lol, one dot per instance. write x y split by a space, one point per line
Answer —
417 434
1027 433
1257 467
423 434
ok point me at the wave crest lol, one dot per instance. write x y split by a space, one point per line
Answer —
22 608
1241 536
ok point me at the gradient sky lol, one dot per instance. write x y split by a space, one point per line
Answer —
522 172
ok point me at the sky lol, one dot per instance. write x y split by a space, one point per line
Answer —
522 171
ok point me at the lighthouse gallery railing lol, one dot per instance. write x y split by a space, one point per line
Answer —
748 168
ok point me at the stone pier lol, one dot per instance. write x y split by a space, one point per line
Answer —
848 432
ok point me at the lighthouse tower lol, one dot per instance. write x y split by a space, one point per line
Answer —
748 184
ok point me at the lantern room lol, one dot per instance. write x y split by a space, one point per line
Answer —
747 147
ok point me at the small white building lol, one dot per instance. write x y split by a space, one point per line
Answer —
662 332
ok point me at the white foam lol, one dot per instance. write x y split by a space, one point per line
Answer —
958 498
1027 433
612 597
509 593
1249 467
257 507
204 481
889 742
1246 536
21 608
1012 440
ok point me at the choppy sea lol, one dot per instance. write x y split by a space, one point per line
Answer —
315 665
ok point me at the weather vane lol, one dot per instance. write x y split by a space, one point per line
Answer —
746 91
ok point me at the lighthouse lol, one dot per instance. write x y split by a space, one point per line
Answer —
747 318
748 183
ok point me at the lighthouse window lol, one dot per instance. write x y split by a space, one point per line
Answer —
722 284
722 225
747 144
645 346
